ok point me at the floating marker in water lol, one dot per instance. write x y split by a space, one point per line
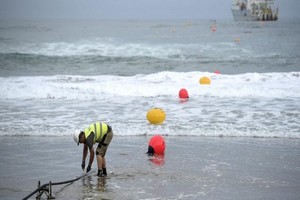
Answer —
156 116
237 40
204 80
213 28
217 72
156 145
183 93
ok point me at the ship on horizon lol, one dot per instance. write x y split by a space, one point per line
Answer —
254 10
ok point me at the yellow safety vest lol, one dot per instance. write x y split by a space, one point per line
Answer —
99 130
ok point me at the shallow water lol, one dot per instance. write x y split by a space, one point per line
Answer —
192 168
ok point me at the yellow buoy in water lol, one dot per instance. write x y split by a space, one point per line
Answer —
204 80
237 40
156 116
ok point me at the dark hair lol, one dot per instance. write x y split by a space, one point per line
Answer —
81 134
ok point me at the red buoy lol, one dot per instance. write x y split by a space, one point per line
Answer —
217 72
183 93
156 145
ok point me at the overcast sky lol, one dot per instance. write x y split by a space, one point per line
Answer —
130 9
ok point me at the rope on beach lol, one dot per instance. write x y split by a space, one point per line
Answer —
47 188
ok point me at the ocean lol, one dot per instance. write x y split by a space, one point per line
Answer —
57 76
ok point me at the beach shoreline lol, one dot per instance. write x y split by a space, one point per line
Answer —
192 168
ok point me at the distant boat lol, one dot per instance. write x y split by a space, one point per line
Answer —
254 10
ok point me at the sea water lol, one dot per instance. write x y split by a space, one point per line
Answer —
58 76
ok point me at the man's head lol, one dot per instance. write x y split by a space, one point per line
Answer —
78 137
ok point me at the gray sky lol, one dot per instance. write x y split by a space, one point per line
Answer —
130 9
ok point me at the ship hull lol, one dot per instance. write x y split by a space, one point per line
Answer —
243 15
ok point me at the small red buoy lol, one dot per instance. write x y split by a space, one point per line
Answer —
217 72
183 93
213 28
156 145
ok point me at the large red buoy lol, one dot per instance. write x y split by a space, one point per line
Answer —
183 93
156 145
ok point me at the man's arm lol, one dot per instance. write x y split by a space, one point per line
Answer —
90 144
84 154
92 153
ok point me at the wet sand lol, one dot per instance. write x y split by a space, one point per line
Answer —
192 168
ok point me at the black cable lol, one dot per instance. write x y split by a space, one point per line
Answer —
57 183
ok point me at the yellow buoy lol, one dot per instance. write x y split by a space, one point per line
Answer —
204 80
237 40
156 116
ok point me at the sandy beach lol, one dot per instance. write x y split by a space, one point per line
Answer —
192 168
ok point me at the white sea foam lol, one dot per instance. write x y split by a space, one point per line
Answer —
97 48
112 48
269 85
251 105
